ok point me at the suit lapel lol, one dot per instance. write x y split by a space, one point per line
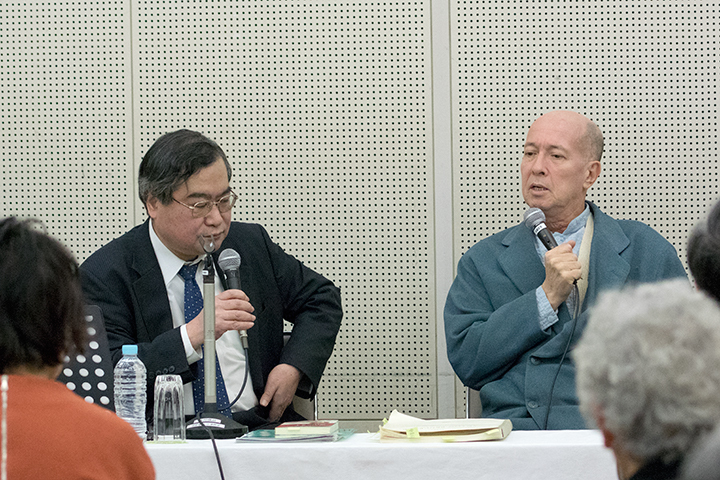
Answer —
520 260
607 267
149 288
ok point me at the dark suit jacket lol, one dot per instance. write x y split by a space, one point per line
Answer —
125 280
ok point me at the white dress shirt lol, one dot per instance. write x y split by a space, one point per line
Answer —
228 347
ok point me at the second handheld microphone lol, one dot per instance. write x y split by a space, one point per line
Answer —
534 219
229 262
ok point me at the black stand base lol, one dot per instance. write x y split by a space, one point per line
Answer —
220 426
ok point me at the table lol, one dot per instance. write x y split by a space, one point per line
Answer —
524 455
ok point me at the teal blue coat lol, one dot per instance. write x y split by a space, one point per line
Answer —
494 341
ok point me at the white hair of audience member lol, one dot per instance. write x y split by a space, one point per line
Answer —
704 461
649 363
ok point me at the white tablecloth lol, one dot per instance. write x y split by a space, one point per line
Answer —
524 455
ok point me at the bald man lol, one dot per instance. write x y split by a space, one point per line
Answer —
516 309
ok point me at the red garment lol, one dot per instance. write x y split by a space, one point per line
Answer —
54 434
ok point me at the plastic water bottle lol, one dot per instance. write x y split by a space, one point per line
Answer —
131 390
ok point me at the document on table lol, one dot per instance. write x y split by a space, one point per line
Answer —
401 427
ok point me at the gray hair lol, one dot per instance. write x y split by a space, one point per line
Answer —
649 363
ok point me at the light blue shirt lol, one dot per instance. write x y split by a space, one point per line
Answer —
574 231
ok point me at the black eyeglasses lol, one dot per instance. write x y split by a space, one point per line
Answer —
204 207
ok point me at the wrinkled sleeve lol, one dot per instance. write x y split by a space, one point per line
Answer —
312 303
489 323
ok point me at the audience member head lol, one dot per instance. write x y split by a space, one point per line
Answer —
561 161
172 160
647 371
184 183
41 305
703 253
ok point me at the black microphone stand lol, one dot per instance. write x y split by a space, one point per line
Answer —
210 423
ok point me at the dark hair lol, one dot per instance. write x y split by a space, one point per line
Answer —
703 253
41 303
174 158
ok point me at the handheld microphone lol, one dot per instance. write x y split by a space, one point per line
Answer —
534 219
229 262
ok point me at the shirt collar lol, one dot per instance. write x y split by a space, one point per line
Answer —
578 222
170 264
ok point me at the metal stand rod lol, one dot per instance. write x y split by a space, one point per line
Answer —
210 422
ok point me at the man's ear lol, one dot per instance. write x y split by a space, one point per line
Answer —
151 205
600 422
593 172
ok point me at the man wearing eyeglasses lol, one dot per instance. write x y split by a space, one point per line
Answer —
141 283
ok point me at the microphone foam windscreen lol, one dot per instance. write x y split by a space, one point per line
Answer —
229 259
533 217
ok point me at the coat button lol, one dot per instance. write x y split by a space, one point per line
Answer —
535 360
532 404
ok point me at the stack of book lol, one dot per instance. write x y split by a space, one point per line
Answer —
308 430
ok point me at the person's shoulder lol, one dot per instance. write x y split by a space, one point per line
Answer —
101 421
246 233
246 227
126 455
495 240
636 229
631 228
74 407
118 247
640 241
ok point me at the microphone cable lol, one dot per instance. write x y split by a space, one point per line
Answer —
209 431
212 439
229 263
576 312
245 379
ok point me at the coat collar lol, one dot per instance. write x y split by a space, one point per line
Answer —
520 262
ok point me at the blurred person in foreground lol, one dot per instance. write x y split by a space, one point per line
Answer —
52 433
648 375
703 253
146 282
703 256
510 312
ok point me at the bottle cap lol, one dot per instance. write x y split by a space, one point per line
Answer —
129 349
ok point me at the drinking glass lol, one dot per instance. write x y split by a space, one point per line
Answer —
169 411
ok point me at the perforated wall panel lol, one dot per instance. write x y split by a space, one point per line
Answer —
645 72
65 125
323 109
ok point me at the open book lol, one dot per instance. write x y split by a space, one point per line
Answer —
406 428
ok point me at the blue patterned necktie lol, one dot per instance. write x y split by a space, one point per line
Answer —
193 306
